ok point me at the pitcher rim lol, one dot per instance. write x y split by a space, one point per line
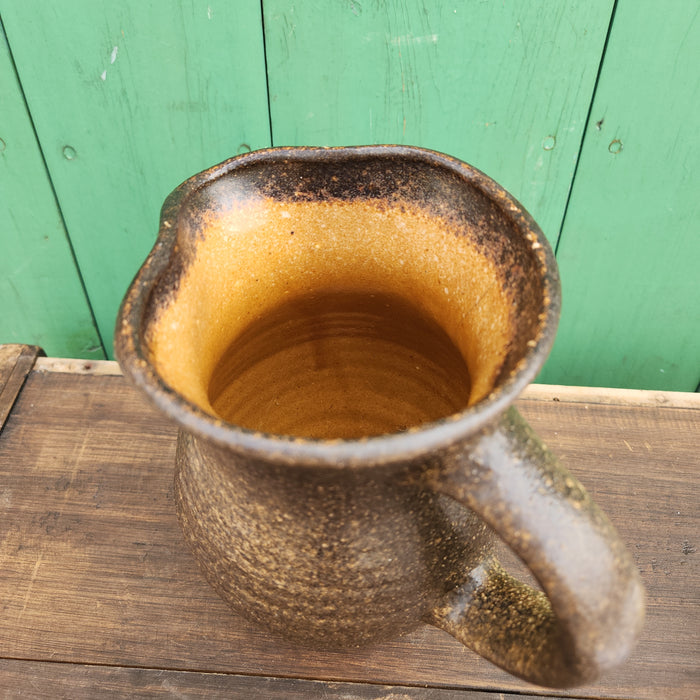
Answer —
133 357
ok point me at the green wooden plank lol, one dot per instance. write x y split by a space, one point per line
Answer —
630 247
128 100
505 86
41 299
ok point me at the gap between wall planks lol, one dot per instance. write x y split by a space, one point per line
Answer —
117 93
604 338
41 296
503 86
128 100
630 243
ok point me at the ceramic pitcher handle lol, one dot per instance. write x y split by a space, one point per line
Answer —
592 608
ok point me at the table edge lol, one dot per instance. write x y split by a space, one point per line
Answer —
534 392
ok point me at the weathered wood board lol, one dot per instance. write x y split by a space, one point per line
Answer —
95 572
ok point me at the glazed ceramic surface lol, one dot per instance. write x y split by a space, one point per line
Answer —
340 335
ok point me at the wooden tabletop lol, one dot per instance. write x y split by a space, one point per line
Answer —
101 598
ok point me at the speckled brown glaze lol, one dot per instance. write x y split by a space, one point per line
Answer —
339 509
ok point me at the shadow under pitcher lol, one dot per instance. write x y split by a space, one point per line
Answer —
340 335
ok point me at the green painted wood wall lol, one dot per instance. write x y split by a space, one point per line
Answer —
587 111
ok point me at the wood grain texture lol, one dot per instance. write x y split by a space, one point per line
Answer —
16 361
129 99
44 680
41 298
504 86
94 569
630 245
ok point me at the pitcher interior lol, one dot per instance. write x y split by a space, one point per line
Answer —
340 312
